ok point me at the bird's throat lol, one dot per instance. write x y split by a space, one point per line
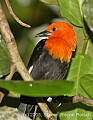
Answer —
59 49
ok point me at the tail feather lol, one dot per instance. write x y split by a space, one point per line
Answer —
29 110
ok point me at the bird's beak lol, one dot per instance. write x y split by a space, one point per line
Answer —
43 34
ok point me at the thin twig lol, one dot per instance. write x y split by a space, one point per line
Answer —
16 59
80 98
47 112
1 96
14 16
12 71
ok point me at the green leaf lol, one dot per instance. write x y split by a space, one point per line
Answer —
4 59
39 88
89 50
80 66
79 111
50 1
87 84
82 112
72 10
80 39
84 45
88 11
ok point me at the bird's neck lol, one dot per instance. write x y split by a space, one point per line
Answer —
59 49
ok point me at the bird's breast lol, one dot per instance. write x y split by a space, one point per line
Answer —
46 67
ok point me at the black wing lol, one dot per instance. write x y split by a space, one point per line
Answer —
46 67
37 52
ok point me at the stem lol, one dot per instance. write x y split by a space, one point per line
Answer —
85 41
80 98
14 16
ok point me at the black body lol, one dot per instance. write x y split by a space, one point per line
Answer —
44 67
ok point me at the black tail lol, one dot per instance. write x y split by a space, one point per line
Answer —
28 106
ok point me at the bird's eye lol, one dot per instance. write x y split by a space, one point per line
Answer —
54 29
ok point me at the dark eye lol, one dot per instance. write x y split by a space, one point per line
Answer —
54 29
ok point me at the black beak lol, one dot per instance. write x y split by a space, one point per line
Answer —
43 34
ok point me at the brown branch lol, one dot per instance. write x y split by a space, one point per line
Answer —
12 47
80 98
16 59
47 113
12 71
14 16
1 96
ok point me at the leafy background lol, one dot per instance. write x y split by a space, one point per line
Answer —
80 75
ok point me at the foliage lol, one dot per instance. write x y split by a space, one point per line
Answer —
80 74
45 88
4 59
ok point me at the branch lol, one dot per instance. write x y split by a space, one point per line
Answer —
12 71
12 47
1 96
17 61
47 113
80 98
14 16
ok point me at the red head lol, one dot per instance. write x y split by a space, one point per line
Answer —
61 41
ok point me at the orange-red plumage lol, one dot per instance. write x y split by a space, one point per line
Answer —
61 42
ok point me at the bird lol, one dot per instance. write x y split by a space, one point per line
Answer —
51 56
